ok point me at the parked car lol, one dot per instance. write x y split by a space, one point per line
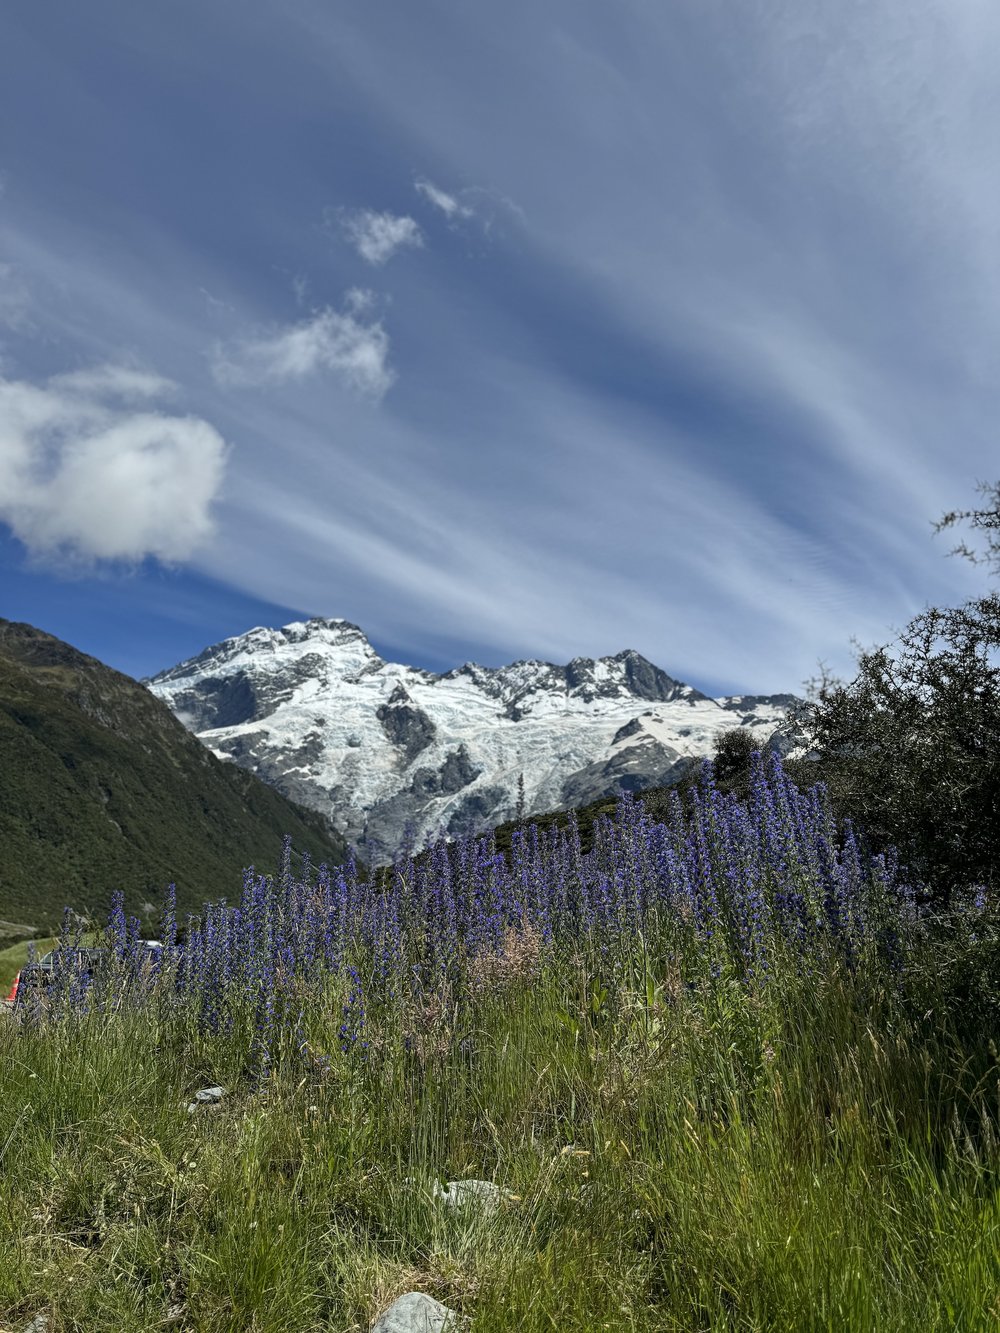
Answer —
55 963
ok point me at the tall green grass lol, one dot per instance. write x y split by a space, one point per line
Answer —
813 1153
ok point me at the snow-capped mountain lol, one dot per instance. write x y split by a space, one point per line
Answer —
312 709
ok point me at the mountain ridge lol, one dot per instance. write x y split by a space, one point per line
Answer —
381 747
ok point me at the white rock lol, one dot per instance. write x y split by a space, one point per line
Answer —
416 1313
209 1098
482 1194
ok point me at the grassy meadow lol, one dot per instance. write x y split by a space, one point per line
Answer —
730 1071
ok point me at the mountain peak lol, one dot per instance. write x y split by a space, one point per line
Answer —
378 745
322 627
255 645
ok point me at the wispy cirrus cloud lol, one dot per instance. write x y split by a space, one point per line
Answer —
15 300
773 304
449 204
378 236
111 381
345 344
89 471
478 205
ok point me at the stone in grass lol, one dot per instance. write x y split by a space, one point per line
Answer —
40 1324
210 1094
206 1097
417 1313
462 1194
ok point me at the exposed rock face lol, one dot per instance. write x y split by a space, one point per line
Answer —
408 728
625 771
239 697
456 772
377 746
648 682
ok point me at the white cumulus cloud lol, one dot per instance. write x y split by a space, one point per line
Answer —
85 478
377 236
345 344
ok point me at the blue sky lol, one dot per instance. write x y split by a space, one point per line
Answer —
503 330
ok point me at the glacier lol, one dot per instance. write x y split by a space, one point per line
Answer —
387 751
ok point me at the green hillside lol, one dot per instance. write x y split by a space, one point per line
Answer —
102 788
